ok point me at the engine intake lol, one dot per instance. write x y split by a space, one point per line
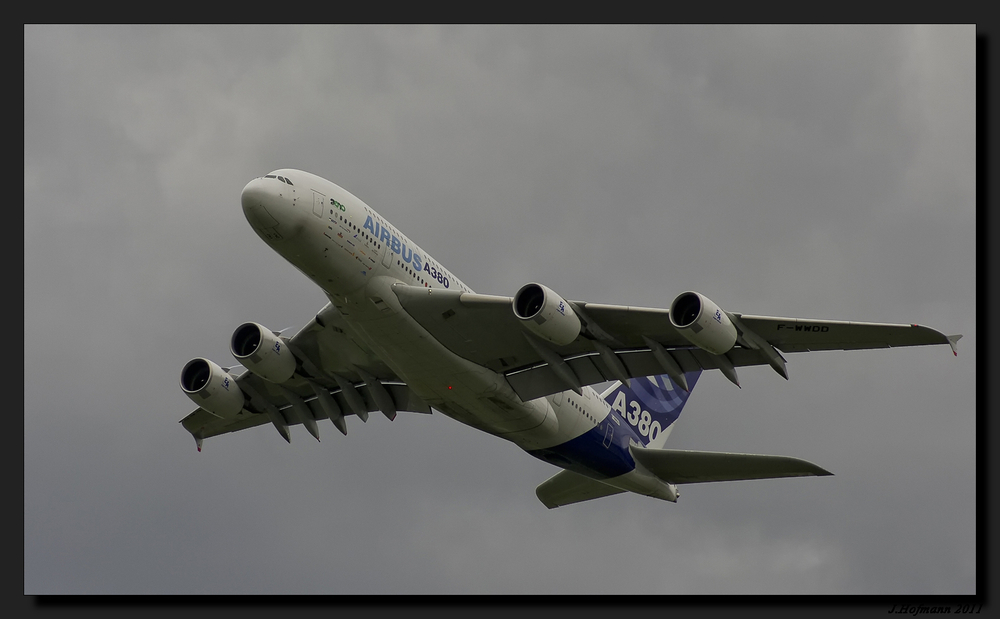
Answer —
703 323
212 388
262 352
546 314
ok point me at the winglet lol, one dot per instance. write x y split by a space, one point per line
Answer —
953 342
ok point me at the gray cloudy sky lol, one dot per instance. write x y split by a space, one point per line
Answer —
823 172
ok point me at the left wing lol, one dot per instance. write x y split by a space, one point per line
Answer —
620 342
335 374
203 424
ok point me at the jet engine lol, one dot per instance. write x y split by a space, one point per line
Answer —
262 352
703 323
212 388
546 314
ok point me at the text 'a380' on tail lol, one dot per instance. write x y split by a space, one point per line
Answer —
651 404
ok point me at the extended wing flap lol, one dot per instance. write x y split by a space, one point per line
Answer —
693 467
262 394
540 379
566 487
203 424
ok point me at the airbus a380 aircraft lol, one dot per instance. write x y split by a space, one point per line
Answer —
401 333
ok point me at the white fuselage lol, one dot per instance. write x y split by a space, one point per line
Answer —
356 256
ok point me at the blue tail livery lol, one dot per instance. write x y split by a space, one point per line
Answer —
651 405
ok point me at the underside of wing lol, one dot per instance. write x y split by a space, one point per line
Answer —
693 467
621 342
327 343
483 328
335 375
203 424
567 487
800 335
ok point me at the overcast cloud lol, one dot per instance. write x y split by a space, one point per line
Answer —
822 172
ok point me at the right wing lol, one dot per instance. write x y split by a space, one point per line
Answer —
800 335
621 342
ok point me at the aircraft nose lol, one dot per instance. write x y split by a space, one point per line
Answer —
253 194
270 212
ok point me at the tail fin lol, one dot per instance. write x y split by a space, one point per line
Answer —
651 405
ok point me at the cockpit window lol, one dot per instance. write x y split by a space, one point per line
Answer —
280 178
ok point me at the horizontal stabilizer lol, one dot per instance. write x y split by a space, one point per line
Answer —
693 467
568 487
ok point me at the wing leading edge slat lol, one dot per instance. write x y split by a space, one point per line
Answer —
541 380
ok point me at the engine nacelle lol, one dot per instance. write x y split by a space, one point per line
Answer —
703 323
212 388
262 352
546 314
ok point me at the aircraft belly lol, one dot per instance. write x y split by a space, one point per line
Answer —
589 454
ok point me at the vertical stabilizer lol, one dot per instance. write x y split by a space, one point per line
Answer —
651 405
